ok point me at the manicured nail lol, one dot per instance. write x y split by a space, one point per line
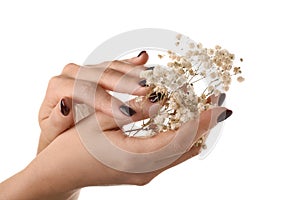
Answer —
127 110
141 53
221 99
224 115
143 83
149 68
155 97
64 109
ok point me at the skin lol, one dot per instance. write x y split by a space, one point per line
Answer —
62 160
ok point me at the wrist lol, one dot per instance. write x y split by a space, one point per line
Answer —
34 183
43 143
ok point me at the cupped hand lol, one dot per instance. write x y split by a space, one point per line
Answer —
68 164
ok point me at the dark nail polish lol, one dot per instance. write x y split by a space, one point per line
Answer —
64 109
221 99
143 83
141 53
149 68
127 110
224 115
154 97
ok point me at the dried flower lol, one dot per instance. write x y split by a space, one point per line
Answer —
160 56
240 79
178 37
173 85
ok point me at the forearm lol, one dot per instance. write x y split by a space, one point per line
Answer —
31 184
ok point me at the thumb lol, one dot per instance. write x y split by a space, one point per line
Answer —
190 133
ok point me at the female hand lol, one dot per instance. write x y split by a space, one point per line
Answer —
56 113
66 164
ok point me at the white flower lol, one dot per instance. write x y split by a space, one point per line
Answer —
174 84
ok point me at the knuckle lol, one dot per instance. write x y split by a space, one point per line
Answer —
70 68
53 82
53 85
115 62
108 72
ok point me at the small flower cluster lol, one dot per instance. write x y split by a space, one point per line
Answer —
164 78
178 101
214 64
174 85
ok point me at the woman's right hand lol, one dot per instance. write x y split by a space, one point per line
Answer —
87 155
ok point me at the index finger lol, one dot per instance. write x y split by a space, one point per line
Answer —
140 59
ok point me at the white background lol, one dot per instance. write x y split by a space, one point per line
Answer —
258 154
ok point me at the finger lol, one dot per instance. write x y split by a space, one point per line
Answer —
214 100
126 81
209 119
140 59
181 140
178 159
123 82
71 69
88 93
59 120
186 136
144 109
121 66
217 100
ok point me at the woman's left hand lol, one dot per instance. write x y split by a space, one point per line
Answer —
56 112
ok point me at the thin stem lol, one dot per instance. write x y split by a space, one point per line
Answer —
197 80
137 129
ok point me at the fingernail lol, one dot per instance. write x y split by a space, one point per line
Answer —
127 110
224 115
143 83
149 68
64 109
221 99
154 97
141 53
